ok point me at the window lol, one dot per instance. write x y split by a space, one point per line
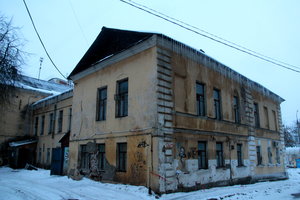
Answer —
258 155
200 98
236 109
256 115
275 120
40 155
42 125
70 119
217 104
267 125
202 155
239 154
85 157
48 156
270 155
101 104
219 151
121 156
277 156
101 149
51 123
122 98
60 121
36 123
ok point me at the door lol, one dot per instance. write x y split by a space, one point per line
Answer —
57 161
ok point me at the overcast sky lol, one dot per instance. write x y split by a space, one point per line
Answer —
271 27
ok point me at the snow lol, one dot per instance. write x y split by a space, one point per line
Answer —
39 185
20 143
30 83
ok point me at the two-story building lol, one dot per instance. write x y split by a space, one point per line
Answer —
16 142
149 110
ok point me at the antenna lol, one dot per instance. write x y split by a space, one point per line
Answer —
41 61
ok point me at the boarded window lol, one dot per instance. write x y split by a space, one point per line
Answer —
202 155
101 104
121 98
200 98
217 104
121 156
239 154
219 151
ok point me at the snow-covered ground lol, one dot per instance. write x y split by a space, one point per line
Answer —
39 185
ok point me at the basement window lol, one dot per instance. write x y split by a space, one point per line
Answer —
219 151
277 156
202 155
270 155
121 157
101 156
258 155
239 155
121 98
85 157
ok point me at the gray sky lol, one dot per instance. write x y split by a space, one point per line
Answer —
270 27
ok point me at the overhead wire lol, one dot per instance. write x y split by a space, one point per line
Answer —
78 23
41 41
210 36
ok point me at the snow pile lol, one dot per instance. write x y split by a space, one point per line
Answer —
39 185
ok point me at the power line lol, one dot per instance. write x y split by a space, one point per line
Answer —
211 36
78 23
41 40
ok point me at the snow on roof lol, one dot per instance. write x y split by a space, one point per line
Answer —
29 83
53 98
23 142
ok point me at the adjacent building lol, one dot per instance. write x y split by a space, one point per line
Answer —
16 121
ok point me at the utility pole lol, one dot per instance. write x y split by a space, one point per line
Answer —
41 61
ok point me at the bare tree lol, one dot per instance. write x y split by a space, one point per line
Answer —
288 136
11 58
